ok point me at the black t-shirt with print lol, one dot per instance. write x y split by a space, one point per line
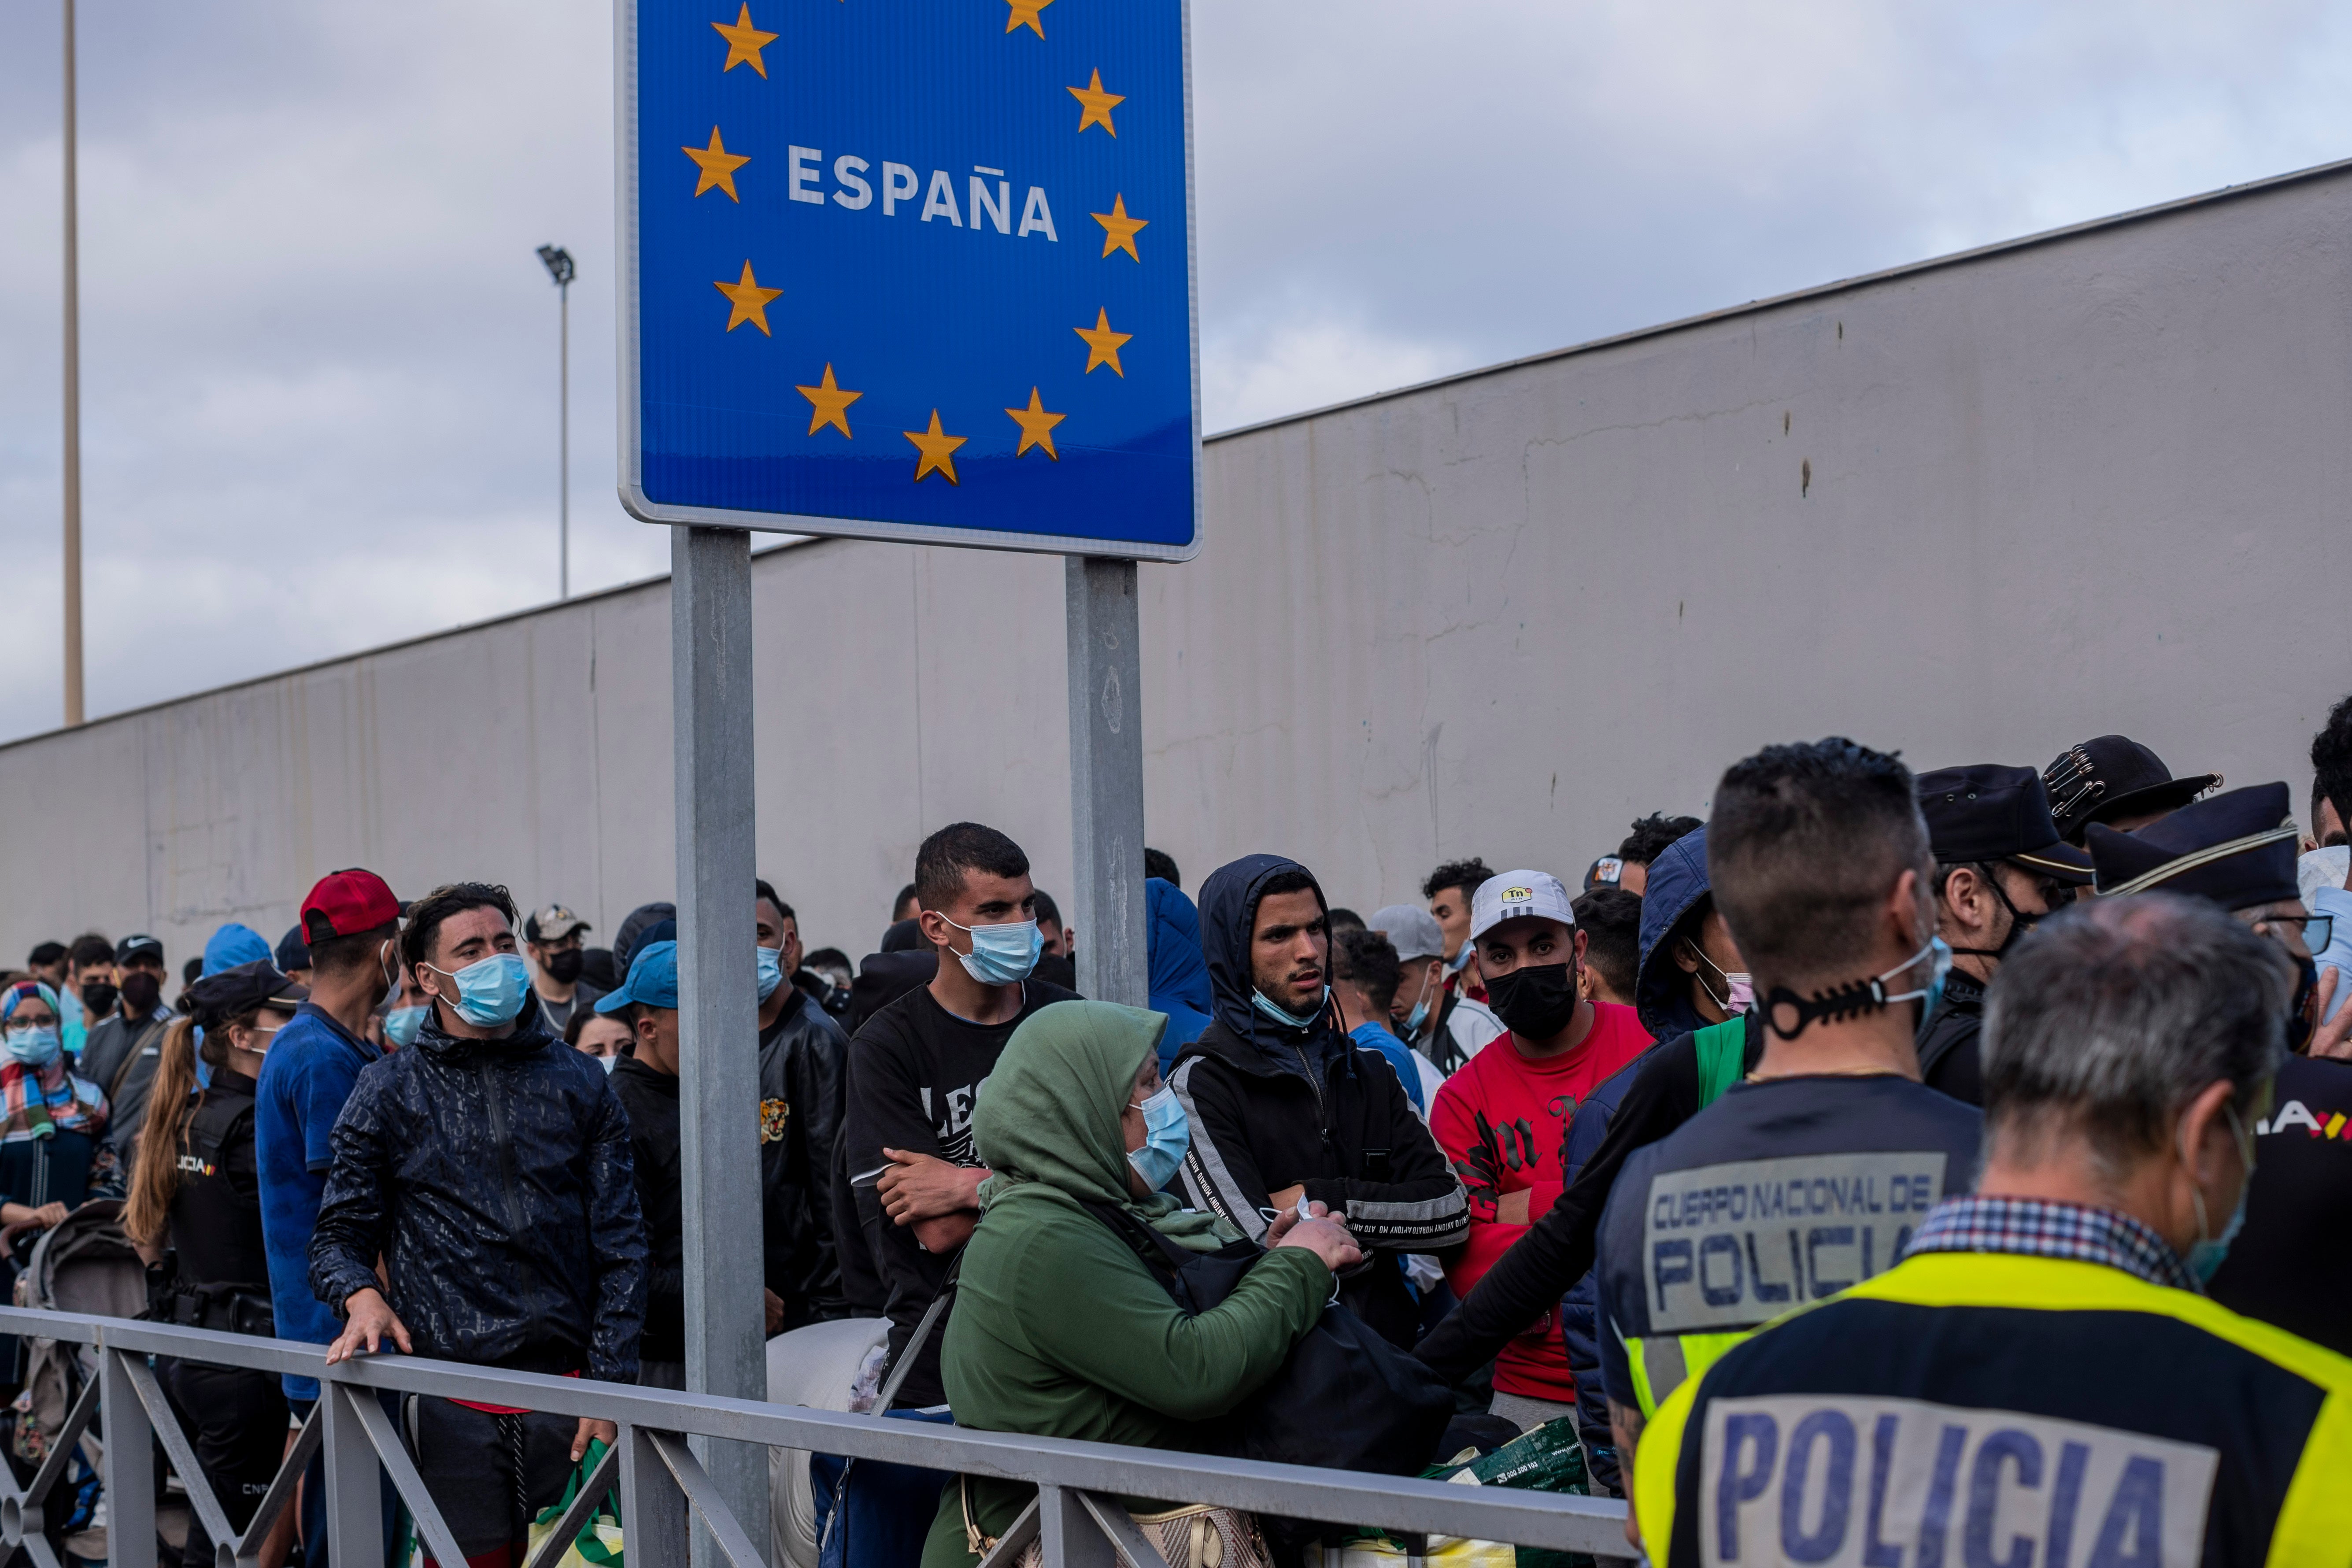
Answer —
915 1070
2290 1264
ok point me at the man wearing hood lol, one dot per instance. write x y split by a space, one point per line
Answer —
489 1167
1285 1108
1690 970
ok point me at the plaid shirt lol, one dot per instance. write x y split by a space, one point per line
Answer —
2038 1229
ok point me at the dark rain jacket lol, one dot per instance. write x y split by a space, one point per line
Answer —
803 1078
493 1177
1273 1107
1678 886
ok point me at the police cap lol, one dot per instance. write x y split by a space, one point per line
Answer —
2237 849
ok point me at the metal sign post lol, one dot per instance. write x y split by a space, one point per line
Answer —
914 273
719 1022
1107 780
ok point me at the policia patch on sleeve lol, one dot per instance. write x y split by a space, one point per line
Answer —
1865 1481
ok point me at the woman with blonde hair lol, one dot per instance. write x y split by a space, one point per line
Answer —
195 1214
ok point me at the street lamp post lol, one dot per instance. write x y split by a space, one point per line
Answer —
73 399
560 266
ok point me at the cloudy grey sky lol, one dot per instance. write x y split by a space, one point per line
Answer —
318 352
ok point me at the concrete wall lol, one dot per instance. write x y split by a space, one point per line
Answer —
1976 510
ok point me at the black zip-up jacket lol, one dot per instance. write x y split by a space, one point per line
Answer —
493 1176
1273 1107
656 1161
803 1079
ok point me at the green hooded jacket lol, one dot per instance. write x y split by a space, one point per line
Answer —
1058 1327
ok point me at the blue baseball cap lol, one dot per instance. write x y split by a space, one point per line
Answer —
653 979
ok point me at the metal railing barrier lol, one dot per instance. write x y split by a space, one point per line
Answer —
662 1485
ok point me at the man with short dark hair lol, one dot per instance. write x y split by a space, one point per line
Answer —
1056 963
2037 1380
1447 890
908 905
1159 863
1610 920
47 964
1285 1109
2001 867
1503 1119
1818 858
556 940
803 1085
1444 1027
1364 976
917 1067
488 1166
2331 778
350 922
1644 844
88 992
125 1047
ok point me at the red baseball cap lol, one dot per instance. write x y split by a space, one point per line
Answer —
346 903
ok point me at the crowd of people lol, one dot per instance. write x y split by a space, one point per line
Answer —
1886 1169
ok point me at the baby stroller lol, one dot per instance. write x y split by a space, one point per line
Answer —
84 1265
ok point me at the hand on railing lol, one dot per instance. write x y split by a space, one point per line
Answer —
370 1321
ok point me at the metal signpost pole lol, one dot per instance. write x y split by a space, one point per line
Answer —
73 396
1107 779
563 445
710 653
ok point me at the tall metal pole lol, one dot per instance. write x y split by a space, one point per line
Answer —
718 1029
73 398
1106 778
563 447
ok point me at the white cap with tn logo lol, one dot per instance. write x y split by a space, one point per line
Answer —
1515 895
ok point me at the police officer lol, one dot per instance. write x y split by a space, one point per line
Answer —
2038 1381
1999 867
2290 1266
1810 1174
2115 780
194 1215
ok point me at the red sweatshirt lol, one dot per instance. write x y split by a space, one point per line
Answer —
1502 1121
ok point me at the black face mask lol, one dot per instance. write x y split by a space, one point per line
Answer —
141 992
2019 925
1535 1002
563 967
98 996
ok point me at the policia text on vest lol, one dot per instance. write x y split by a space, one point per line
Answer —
1780 1194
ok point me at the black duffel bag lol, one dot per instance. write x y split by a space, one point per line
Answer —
1345 1398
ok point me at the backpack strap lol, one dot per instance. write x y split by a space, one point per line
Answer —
138 1046
1722 1049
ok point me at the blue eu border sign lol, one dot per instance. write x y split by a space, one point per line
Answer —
914 269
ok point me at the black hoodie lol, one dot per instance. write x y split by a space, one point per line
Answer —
493 1177
1273 1107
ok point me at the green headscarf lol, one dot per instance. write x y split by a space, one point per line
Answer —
1048 1118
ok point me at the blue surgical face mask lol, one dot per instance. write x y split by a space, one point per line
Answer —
1002 954
1931 995
1286 1018
1167 1135
2206 1254
400 1025
1460 960
608 1063
33 1045
490 993
771 972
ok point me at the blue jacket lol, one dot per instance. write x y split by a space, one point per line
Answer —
494 1178
1180 975
1661 988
